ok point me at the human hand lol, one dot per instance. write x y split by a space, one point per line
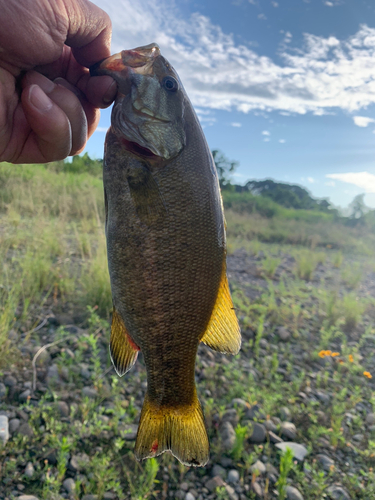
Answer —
48 101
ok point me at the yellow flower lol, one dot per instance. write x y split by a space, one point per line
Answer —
322 354
334 354
351 359
367 374
328 353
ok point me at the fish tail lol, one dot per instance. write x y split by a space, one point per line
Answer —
180 430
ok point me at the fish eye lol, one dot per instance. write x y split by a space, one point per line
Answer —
170 83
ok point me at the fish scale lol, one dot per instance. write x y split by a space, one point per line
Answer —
166 249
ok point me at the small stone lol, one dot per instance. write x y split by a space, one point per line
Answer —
4 429
10 381
27 497
44 357
108 495
215 482
63 408
258 466
85 372
323 397
90 497
326 462
26 430
217 470
184 486
226 461
370 419
189 496
53 376
129 432
239 403
69 485
23 397
3 391
228 435
338 493
257 489
14 425
274 438
288 430
231 493
293 494
255 412
358 437
29 470
233 476
270 469
269 425
89 392
299 451
285 413
259 433
283 333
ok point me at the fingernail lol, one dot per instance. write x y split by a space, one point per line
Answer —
110 93
39 99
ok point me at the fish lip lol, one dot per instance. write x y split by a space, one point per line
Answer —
150 117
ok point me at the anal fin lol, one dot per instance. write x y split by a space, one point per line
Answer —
223 331
123 350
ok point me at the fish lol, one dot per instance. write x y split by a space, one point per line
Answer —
166 248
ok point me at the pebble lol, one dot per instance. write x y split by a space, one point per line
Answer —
259 433
257 489
69 485
358 437
90 497
370 419
29 470
338 493
226 461
228 435
89 392
323 397
217 470
285 413
53 376
233 476
215 482
258 466
129 432
270 426
108 495
231 493
230 416
184 486
44 357
27 497
299 451
239 403
293 494
288 430
283 333
10 381
274 438
14 425
189 496
4 429
26 430
24 395
63 408
326 462
3 390
255 412
270 469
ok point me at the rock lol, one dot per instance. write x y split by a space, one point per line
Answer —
323 397
217 470
240 403
228 435
226 461
90 497
233 476
370 419
270 426
3 391
274 438
4 429
257 489
129 432
259 433
288 430
108 495
26 430
85 372
14 425
29 470
258 466
255 411
10 381
184 486
27 497
338 493
53 376
283 333
63 408
293 494
69 485
44 357
230 416
326 462
358 437
89 392
270 469
285 413
299 451
23 415
189 496
231 493
214 483
23 397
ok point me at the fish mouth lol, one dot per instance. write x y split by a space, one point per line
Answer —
146 113
140 59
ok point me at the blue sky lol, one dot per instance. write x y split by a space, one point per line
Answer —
285 87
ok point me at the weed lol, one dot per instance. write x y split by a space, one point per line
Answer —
286 465
239 444
269 265
338 259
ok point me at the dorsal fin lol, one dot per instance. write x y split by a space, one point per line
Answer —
123 350
223 331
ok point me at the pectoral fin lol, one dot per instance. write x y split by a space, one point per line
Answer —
146 195
123 350
223 331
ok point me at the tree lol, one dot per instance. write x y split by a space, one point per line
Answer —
224 167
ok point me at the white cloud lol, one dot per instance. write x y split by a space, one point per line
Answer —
274 4
323 73
363 180
262 16
362 121
330 183
266 132
282 141
311 180
101 129
236 124
266 139
332 3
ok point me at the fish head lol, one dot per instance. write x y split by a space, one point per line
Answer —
148 114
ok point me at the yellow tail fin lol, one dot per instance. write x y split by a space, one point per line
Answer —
179 430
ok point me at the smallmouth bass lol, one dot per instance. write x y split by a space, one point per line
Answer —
166 249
